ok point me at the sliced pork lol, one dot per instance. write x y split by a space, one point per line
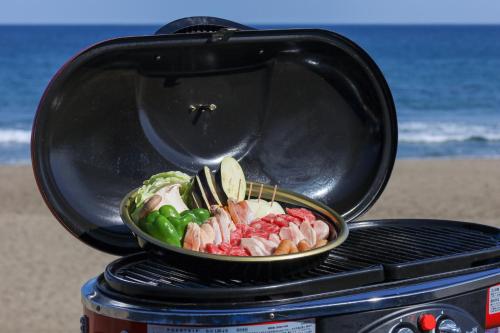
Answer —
321 228
207 235
310 235
240 211
254 246
217 233
192 237
225 222
269 245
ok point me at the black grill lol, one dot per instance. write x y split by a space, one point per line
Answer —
408 250
375 252
144 276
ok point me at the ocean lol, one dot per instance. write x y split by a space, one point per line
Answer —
445 81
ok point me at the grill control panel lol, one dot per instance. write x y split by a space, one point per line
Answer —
438 319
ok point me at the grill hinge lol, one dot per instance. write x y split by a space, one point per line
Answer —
223 34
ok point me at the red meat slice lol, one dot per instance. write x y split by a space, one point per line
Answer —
269 218
281 221
238 251
265 226
226 249
214 249
301 213
236 237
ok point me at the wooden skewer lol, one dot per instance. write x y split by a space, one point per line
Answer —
260 191
239 188
274 194
195 201
250 191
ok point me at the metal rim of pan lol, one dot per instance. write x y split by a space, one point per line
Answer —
333 219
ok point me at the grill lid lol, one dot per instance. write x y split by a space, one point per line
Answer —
307 110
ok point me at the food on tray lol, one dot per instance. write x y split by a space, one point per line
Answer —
158 183
220 220
261 208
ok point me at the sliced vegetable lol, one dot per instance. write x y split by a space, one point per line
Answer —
168 211
151 186
170 195
261 208
199 193
165 231
149 205
190 213
152 216
214 193
181 223
201 214
231 178
146 223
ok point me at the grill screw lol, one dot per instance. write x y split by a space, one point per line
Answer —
272 315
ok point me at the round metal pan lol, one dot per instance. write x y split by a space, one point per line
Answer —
252 267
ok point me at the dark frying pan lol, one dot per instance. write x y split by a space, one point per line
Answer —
248 267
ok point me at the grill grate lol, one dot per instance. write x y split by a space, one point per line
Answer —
416 250
143 275
374 252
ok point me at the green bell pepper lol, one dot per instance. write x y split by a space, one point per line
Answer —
165 231
146 224
181 223
189 213
201 214
169 211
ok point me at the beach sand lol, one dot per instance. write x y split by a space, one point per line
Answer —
42 266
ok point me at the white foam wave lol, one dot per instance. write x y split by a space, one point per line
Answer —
11 135
439 132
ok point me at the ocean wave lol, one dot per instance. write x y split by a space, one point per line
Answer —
11 135
439 132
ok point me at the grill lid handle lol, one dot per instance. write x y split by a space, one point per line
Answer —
196 24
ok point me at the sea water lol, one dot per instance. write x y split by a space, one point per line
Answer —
445 81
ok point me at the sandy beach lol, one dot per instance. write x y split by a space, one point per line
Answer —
42 266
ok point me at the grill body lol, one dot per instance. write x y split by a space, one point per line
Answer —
462 297
388 273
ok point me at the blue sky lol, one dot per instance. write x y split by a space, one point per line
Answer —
250 11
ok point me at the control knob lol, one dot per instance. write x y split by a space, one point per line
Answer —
448 326
427 322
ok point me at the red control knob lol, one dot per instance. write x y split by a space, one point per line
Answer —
427 322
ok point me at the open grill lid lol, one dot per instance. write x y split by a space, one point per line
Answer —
305 109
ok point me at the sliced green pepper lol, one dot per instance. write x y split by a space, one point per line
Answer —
146 224
201 214
169 211
181 223
165 231
190 213
152 216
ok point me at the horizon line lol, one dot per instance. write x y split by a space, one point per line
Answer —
301 24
